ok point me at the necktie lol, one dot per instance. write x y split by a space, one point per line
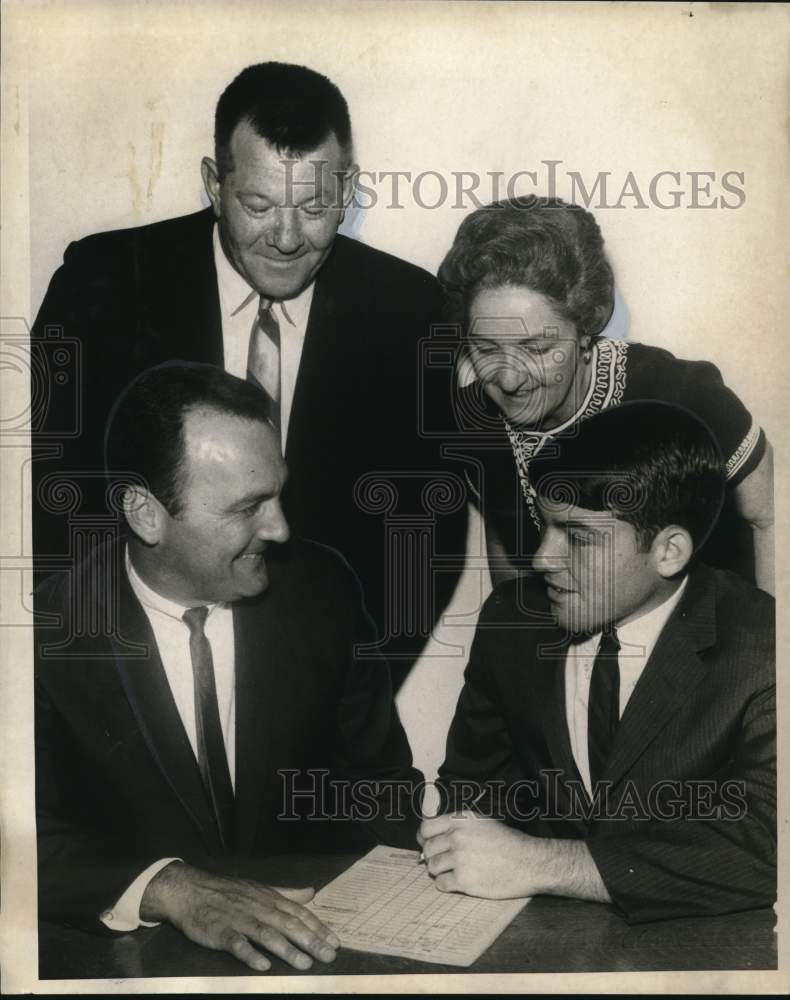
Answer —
263 358
212 759
603 707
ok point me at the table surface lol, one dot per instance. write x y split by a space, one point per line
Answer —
548 935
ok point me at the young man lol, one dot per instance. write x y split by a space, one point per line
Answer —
615 737
198 690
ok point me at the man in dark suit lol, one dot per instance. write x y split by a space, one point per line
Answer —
261 284
615 737
199 694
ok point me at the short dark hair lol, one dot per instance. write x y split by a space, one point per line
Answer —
650 463
144 437
543 244
292 107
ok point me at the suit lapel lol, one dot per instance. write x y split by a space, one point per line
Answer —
149 695
558 740
673 669
268 664
312 396
555 721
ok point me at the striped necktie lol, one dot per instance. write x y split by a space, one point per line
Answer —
263 358
212 758
603 706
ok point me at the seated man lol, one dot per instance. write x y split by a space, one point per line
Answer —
199 693
615 737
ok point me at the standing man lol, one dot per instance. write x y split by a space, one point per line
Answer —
261 284
223 711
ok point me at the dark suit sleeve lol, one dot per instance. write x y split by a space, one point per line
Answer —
73 385
698 386
701 866
55 409
480 762
81 871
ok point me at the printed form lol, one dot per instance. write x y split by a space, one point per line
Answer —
387 903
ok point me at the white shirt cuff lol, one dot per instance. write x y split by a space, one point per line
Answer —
125 914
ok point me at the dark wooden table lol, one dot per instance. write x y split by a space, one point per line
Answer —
549 935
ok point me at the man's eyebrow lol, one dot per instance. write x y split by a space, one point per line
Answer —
309 197
316 196
258 495
254 496
586 526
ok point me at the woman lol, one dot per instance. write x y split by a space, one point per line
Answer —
529 282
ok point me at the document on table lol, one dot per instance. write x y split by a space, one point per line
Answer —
387 903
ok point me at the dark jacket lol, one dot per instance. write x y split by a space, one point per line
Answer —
118 785
126 300
702 711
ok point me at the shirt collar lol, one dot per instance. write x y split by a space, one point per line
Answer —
644 631
235 293
153 601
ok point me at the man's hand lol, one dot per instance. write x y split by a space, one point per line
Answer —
239 916
481 857
484 857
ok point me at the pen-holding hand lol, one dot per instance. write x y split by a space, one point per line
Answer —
483 857
480 857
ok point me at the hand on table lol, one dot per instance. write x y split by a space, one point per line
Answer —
239 916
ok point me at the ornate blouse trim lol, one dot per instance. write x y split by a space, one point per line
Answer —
743 451
606 389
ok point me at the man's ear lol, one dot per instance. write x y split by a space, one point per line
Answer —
672 550
211 182
348 184
144 514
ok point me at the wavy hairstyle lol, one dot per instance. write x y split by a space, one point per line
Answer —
543 244
649 463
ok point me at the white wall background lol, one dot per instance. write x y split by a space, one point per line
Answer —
117 101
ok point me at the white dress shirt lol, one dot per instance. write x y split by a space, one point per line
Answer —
239 304
172 639
637 641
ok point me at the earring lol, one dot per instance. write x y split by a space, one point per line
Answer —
587 355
